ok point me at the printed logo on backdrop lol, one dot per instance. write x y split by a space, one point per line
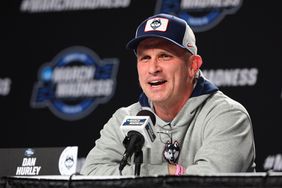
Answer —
74 83
37 6
273 163
232 77
5 86
201 15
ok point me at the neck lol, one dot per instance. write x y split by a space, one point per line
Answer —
168 112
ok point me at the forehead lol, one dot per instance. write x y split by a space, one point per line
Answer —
159 43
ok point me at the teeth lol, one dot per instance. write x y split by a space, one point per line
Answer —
153 82
157 82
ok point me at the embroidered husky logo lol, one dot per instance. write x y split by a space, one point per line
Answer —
171 152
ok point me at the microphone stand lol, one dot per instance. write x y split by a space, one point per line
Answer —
138 160
133 143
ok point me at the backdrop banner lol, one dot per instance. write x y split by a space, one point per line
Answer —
65 69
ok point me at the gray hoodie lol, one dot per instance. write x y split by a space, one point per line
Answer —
213 133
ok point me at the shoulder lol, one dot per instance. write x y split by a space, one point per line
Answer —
222 115
224 112
130 110
221 102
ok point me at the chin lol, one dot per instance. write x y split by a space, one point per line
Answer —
155 99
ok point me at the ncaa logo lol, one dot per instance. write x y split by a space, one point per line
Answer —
201 15
74 83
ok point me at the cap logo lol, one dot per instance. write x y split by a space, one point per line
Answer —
156 24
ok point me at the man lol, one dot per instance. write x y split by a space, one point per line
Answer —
199 129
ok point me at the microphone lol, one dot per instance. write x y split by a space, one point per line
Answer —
138 132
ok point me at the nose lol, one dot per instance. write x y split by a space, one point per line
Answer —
154 66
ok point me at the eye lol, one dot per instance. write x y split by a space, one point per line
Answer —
165 57
144 58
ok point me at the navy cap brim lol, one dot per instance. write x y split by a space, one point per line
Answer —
133 44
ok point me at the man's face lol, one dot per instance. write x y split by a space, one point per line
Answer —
163 71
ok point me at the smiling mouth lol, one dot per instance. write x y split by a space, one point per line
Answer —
157 83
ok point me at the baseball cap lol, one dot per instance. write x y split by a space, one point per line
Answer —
168 27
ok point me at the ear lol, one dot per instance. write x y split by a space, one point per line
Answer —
196 63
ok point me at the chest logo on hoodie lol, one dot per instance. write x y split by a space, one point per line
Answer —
171 152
